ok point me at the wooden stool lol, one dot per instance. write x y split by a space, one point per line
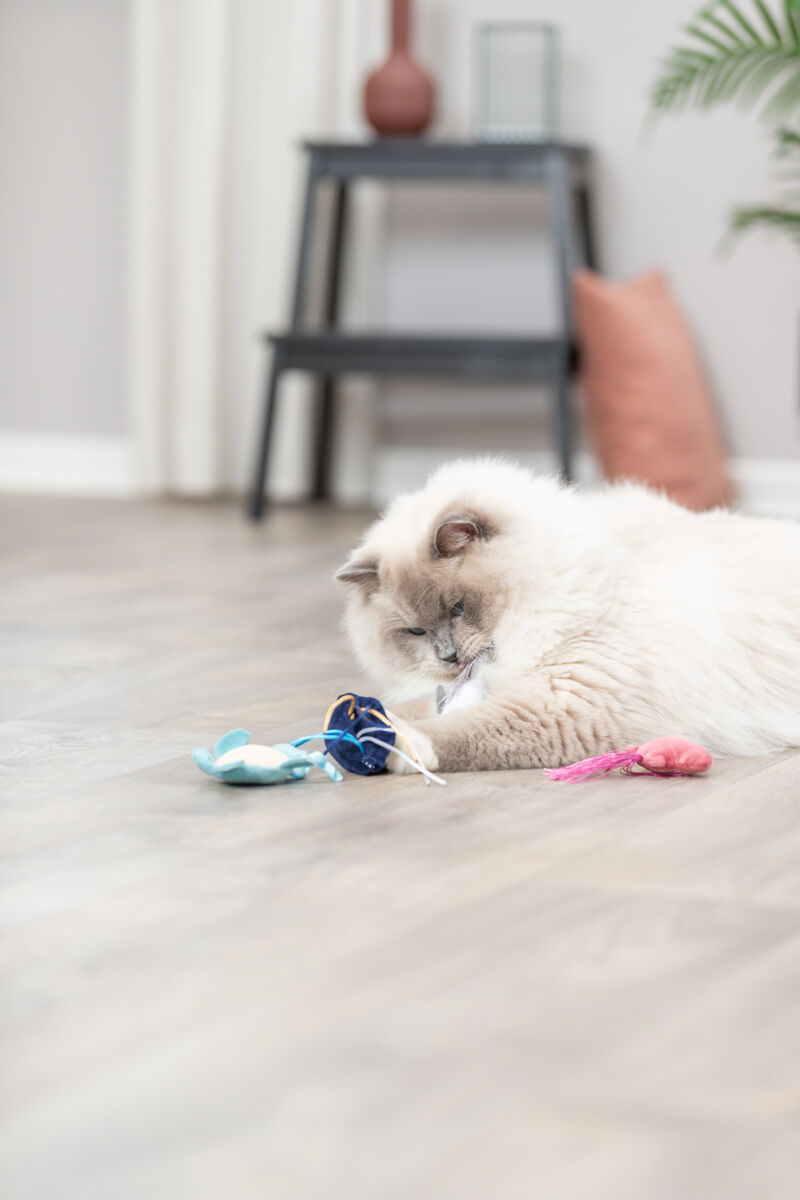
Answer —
562 169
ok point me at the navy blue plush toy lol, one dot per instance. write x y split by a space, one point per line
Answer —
364 718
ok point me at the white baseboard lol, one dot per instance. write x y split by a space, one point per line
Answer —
403 468
92 465
768 487
65 464
765 487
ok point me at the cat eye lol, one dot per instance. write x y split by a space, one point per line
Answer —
416 632
458 609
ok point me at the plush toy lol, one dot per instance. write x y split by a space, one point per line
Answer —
666 756
235 760
350 726
359 718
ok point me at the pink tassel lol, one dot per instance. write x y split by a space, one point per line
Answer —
601 765
664 757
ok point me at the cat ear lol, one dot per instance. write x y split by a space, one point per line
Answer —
363 572
455 533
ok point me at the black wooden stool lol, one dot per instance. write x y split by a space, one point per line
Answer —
562 169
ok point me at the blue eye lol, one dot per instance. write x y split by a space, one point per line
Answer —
416 632
458 609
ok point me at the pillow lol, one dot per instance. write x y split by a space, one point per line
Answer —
648 409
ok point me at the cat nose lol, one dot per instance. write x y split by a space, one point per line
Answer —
449 658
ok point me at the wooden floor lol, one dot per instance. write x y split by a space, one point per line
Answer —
503 988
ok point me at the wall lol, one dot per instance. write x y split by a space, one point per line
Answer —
63 149
457 260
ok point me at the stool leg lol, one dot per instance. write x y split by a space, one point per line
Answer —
323 449
585 221
326 404
257 501
561 201
304 245
562 419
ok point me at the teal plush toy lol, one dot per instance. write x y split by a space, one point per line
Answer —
234 760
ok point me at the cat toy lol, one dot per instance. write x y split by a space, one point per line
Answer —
666 757
235 759
348 733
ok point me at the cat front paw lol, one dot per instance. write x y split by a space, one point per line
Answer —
414 742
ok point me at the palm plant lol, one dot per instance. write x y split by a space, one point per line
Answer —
750 54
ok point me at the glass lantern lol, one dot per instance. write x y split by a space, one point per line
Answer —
517 73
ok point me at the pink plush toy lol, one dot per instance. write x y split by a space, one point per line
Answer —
666 756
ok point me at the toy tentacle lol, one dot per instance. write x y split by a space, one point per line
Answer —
319 760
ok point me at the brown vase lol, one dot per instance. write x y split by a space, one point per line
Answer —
398 97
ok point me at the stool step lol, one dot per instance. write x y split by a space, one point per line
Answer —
480 357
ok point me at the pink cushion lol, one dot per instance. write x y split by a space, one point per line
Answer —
648 409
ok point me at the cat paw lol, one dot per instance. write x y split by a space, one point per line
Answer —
413 742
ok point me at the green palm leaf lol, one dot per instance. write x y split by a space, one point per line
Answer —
753 57
780 220
731 54
783 217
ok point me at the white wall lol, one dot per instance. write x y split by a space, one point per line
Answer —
469 260
63 157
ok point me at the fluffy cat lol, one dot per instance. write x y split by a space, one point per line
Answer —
608 618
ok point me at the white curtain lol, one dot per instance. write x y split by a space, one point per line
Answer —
223 91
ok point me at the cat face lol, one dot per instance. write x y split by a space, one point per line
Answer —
417 616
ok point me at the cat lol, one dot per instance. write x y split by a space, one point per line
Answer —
603 619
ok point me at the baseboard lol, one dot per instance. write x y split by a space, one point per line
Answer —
92 465
768 487
403 468
65 464
765 487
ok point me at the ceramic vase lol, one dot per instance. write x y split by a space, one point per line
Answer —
398 96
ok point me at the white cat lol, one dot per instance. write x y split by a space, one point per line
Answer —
608 618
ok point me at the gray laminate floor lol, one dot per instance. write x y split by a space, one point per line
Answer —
505 988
